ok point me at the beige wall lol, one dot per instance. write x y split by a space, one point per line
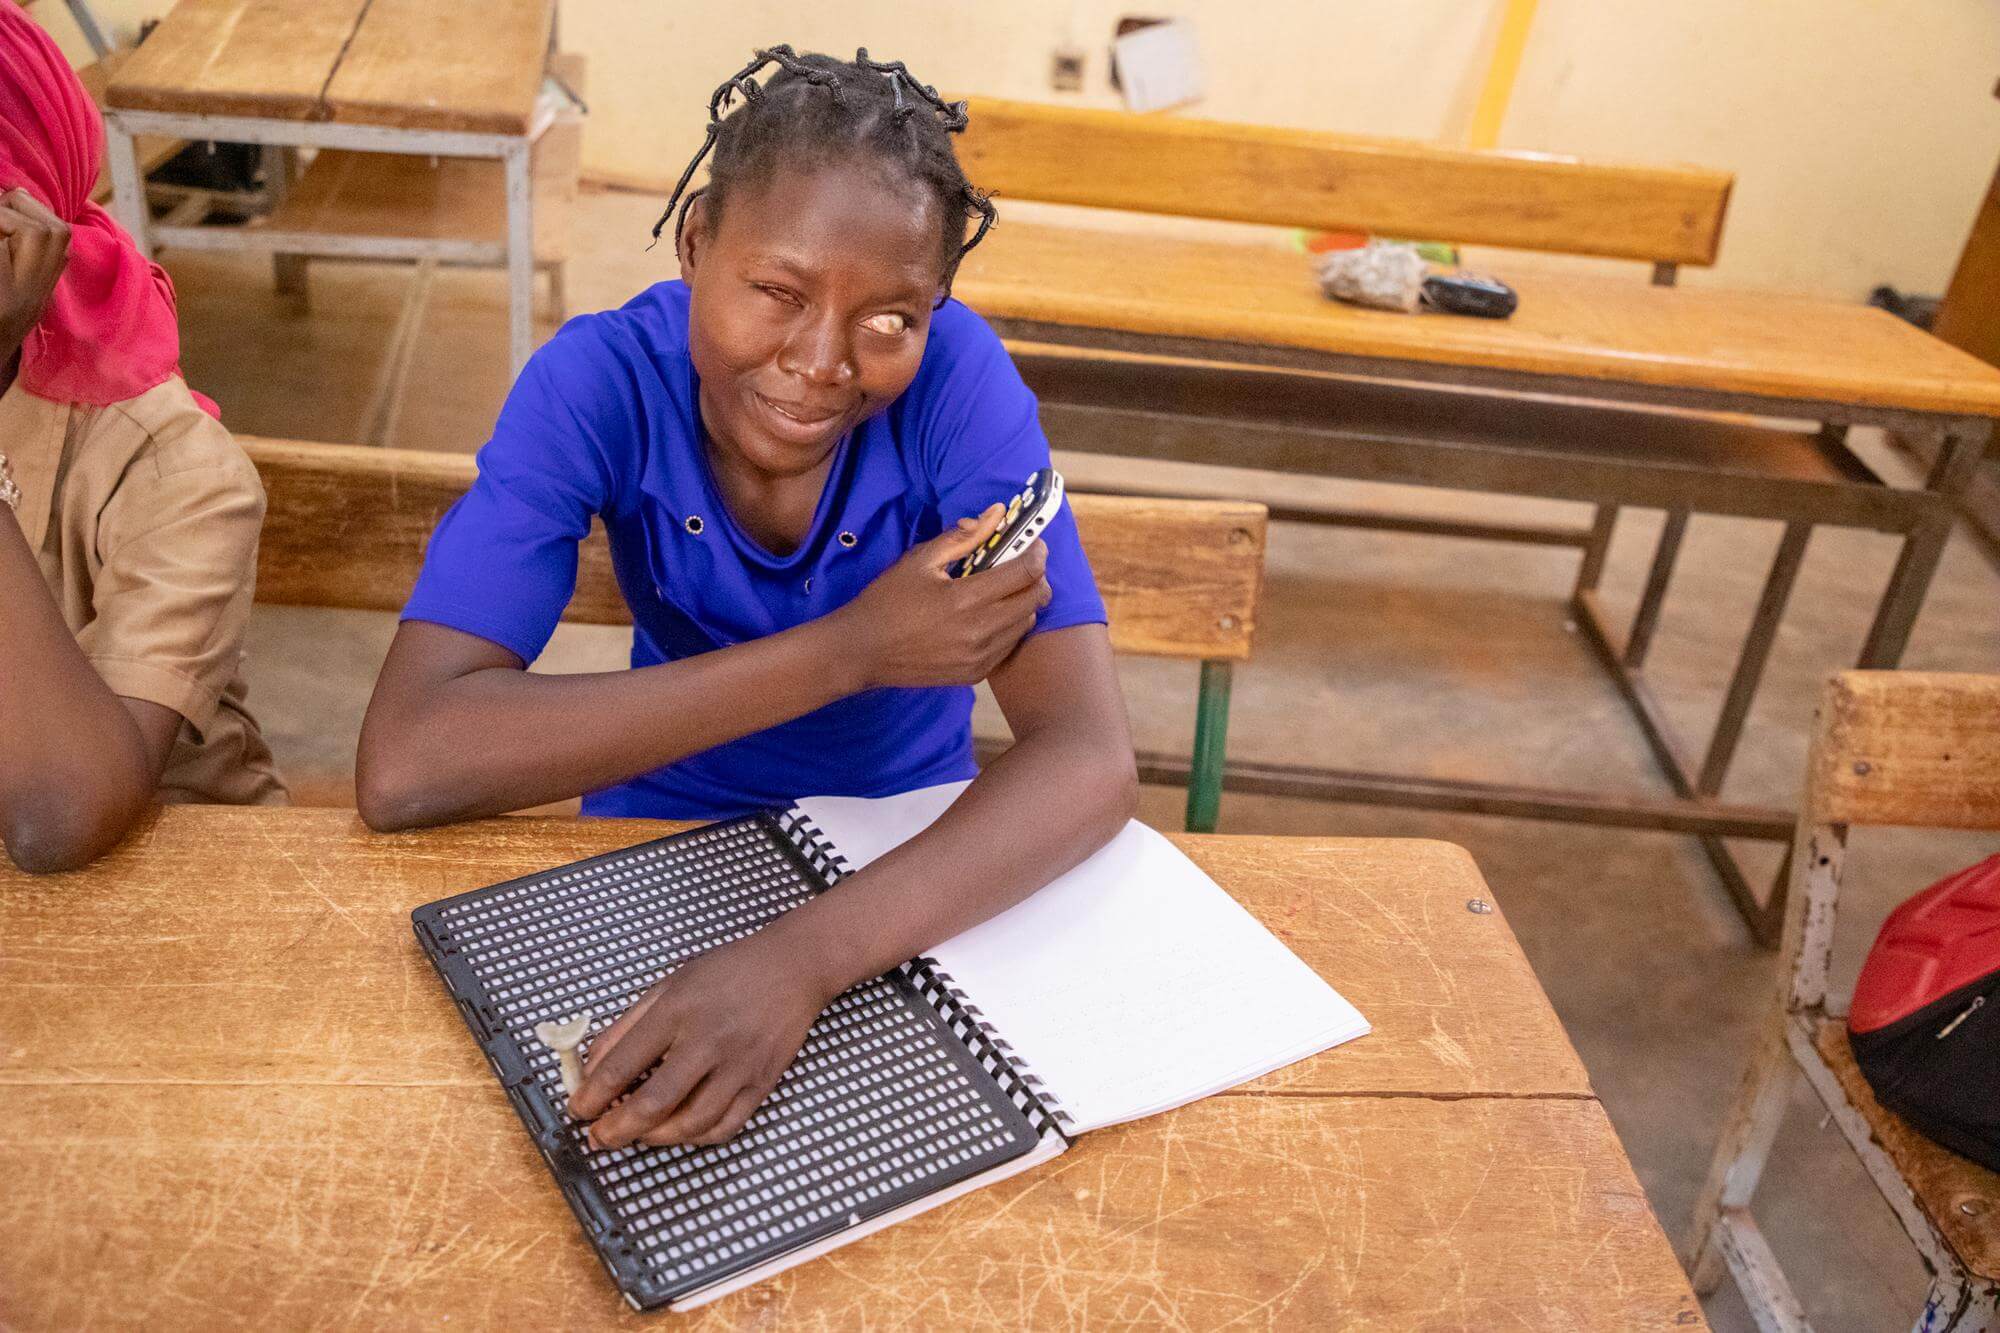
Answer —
120 20
1862 132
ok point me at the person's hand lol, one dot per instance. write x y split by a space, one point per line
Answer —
915 625
728 1023
35 245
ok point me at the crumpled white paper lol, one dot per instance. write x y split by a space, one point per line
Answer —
1382 274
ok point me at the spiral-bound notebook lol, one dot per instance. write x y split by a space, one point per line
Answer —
1130 985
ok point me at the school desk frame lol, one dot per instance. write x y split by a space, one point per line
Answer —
1083 413
282 139
1905 749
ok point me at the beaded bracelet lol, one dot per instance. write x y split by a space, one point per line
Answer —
10 494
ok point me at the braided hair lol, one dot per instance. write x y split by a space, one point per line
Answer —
815 109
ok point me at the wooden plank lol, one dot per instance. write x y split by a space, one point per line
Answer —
1961 1198
1593 328
402 195
1303 178
423 64
258 946
1181 578
267 58
291 1206
1907 747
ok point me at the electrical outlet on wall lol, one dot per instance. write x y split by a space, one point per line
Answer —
1066 65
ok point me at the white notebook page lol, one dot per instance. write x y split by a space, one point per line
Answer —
1132 984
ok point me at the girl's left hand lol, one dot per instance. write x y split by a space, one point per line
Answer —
728 1024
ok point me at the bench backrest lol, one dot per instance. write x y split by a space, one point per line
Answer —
347 526
1917 748
1304 178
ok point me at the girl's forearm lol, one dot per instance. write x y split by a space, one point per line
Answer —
500 739
73 766
1039 809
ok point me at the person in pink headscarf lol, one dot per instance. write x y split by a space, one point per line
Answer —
128 516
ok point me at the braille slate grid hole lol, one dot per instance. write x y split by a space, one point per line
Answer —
878 1107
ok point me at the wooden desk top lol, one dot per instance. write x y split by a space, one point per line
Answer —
230 1087
462 65
1585 327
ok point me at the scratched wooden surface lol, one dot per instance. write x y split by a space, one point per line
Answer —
230 1088
461 65
444 65
1589 327
268 58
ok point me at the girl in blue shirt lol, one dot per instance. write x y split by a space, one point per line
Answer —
788 448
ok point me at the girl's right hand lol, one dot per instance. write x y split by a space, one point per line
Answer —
34 248
915 625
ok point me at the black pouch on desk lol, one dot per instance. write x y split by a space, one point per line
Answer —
1925 1023
1470 294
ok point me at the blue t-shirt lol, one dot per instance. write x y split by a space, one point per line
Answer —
604 421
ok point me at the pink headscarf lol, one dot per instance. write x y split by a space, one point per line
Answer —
108 332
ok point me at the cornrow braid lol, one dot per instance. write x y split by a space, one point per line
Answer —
814 109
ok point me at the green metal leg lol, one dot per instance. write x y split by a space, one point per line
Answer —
1211 741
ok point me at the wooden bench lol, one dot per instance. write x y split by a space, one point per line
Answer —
347 527
1889 748
1212 351
1666 216
1217 171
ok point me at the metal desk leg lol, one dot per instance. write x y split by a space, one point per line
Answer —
1765 920
1647 618
128 188
1595 547
1626 669
1957 460
1750 662
520 256
288 272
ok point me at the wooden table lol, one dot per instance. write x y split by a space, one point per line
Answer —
232 1091
1213 352
451 78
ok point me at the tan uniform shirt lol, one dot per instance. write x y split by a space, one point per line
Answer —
144 516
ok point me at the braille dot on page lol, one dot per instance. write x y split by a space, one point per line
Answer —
563 1039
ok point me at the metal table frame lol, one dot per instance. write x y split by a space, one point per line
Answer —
516 252
1923 517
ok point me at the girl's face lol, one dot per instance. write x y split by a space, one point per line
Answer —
811 307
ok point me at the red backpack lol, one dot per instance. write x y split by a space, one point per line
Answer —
1926 1017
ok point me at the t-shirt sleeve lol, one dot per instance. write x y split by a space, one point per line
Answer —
178 537
982 440
502 563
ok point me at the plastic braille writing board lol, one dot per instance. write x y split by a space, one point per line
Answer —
896 1096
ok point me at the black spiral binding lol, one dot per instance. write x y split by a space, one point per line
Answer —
1022 1086
815 846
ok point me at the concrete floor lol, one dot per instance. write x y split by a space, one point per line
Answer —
1429 656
